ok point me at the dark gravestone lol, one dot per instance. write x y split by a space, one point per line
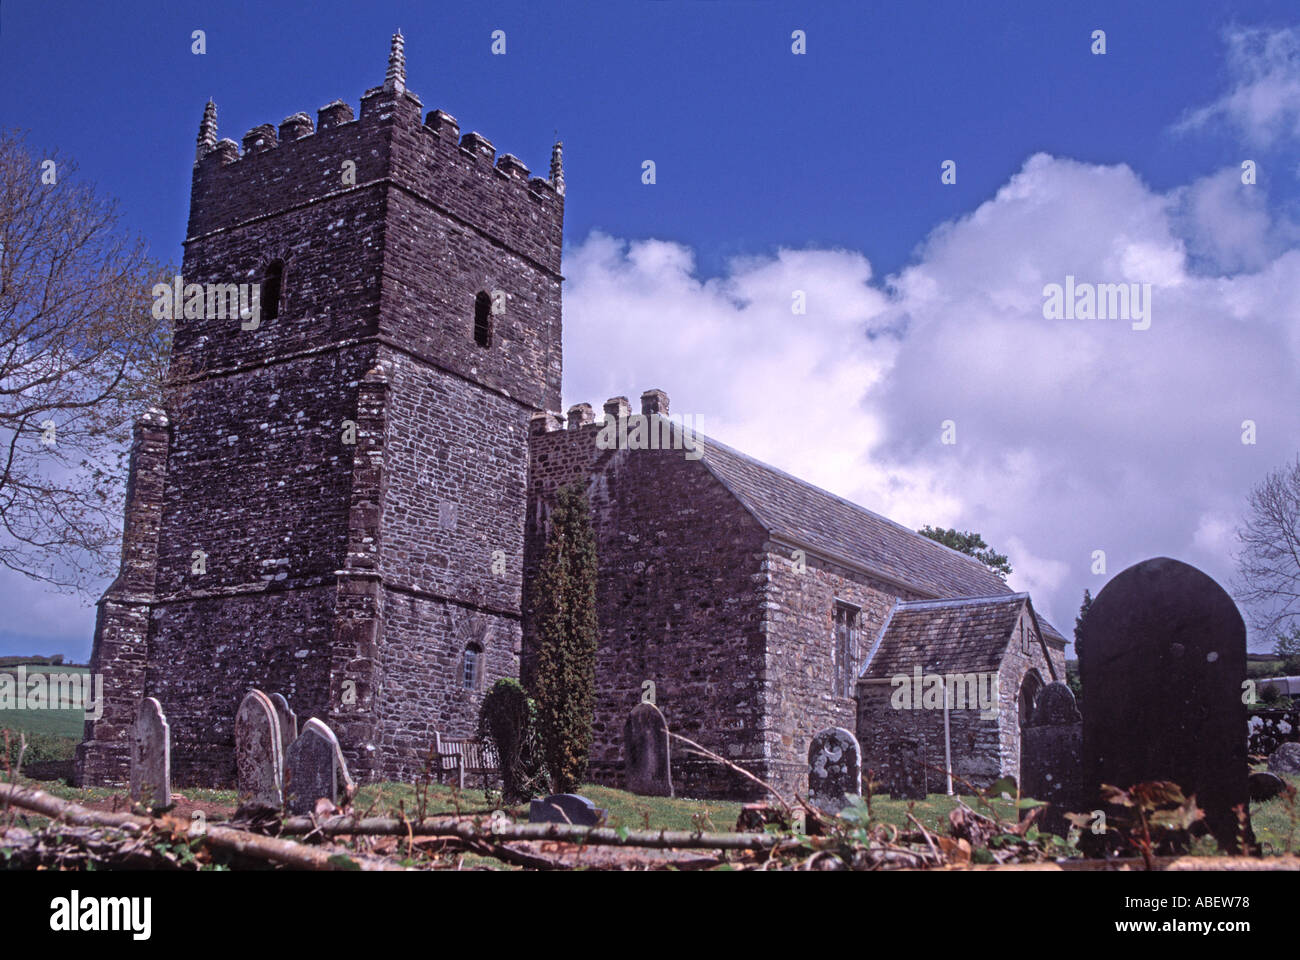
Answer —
646 763
1265 786
1163 660
906 771
834 770
151 769
259 755
1051 753
1285 759
314 768
565 808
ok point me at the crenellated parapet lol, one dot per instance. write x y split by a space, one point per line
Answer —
386 143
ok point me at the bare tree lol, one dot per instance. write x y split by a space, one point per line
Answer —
81 355
1268 568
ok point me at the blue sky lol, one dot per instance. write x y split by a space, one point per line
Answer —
818 172
755 148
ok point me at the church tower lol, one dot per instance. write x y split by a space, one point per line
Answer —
333 506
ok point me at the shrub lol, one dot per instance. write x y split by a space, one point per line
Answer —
508 720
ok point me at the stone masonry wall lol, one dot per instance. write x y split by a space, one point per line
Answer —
451 555
679 602
799 682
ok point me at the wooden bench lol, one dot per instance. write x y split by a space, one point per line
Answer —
463 757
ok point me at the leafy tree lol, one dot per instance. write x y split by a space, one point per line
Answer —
81 356
1268 566
564 605
1287 649
1078 621
972 544
1287 646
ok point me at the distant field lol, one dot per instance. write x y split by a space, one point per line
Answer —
61 722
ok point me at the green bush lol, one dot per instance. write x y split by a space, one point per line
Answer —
508 720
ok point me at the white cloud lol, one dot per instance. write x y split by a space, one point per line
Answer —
1263 104
1073 436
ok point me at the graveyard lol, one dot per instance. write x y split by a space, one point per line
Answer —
1145 777
381 584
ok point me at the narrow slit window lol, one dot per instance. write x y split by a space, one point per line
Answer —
272 288
846 648
470 670
483 319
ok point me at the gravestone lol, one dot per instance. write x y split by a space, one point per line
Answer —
646 763
906 772
314 768
288 720
151 756
1285 759
1265 786
1163 660
834 770
1051 758
565 808
259 755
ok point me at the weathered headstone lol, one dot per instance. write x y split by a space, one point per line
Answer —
646 762
1285 759
565 808
1265 786
1051 754
151 756
288 720
834 769
314 768
259 755
1163 659
906 772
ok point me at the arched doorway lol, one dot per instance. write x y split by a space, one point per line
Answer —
1030 688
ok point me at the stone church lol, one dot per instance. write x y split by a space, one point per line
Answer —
349 492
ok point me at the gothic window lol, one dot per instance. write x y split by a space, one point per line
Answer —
470 669
483 319
272 288
847 620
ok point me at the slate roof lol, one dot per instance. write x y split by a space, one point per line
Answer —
966 635
789 507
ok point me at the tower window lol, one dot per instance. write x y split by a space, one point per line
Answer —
272 288
483 319
470 669
846 648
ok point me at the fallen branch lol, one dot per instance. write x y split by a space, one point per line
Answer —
706 752
502 833
272 849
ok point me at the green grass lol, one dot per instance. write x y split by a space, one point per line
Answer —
1277 824
933 810
625 809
